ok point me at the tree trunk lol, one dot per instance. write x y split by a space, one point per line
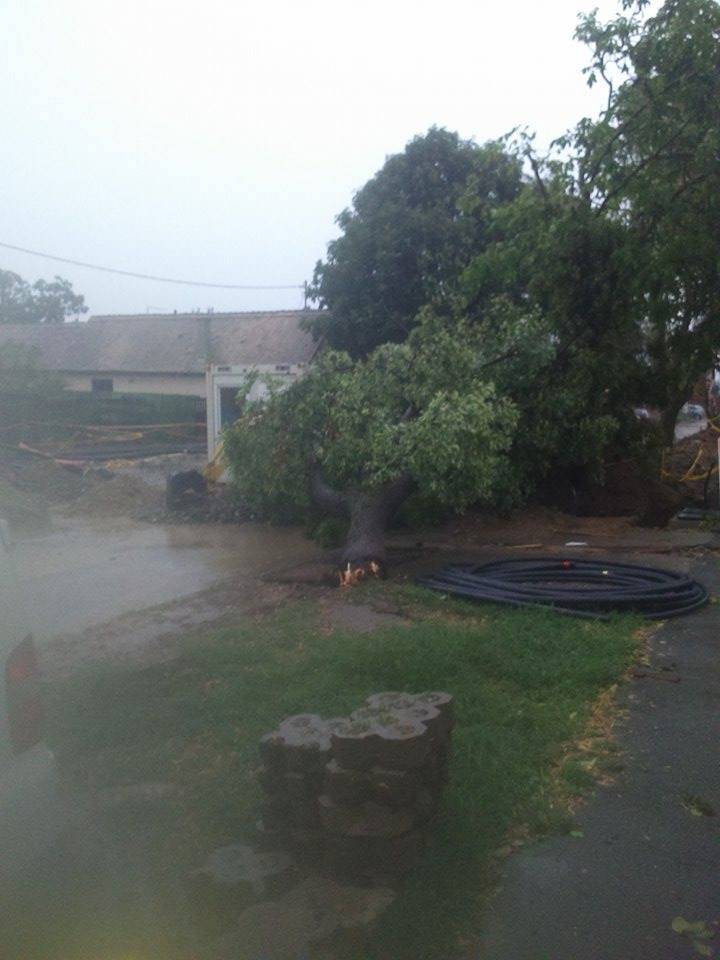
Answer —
669 419
370 514
365 542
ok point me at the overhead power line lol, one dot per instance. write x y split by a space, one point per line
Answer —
148 276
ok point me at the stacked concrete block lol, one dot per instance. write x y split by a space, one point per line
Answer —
357 794
294 760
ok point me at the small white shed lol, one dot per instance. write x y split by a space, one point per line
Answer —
223 383
167 353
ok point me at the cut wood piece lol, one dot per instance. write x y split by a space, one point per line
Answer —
300 744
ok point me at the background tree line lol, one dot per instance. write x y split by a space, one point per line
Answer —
491 315
40 302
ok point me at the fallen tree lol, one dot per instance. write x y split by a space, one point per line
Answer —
355 438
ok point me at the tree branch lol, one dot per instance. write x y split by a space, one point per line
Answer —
538 178
325 496
609 84
655 155
396 491
508 355
633 116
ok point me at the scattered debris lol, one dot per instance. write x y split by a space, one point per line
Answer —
668 676
186 490
698 932
692 514
352 575
697 807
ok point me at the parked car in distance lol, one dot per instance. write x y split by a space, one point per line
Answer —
692 411
28 807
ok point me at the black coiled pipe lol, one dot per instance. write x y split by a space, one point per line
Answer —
583 588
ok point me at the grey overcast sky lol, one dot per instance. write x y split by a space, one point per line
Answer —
217 140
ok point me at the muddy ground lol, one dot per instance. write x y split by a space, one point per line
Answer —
107 580
106 577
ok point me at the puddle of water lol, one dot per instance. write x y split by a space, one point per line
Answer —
84 573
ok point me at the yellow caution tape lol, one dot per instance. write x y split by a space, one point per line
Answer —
688 476
216 468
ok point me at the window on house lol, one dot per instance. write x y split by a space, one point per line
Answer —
102 385
230 406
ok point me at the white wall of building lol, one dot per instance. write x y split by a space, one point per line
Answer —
189 385
222 377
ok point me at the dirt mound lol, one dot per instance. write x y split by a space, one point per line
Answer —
692 462
220 504
36 476
21 509
116 496
627 490
28 485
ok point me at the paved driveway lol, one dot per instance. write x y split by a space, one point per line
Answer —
644 858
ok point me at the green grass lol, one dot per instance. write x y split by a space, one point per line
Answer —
524 684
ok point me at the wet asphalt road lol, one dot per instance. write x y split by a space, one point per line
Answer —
644 858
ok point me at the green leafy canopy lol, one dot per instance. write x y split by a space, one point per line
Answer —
409 233
40 302
426 408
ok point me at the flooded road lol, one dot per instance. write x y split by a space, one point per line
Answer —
86 572
116 590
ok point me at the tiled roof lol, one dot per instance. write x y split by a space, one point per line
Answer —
166 343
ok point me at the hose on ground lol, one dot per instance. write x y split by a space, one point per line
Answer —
593 589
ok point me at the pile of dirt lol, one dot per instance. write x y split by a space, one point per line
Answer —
116 496
219 504
22 510
28 485
626 490
692 462
40 477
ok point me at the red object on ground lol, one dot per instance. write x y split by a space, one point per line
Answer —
25 708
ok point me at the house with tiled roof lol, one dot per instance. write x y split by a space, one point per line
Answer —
163 353
180 354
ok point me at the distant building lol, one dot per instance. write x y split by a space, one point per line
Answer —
164 353
204 355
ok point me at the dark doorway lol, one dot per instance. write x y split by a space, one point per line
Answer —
230 406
